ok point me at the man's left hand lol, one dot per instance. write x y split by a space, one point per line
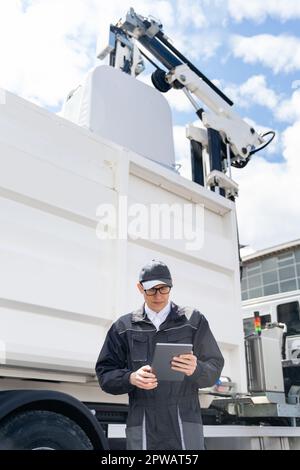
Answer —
185 363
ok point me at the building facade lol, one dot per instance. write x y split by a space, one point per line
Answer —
272 271
271 286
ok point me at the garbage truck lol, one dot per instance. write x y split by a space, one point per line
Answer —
87 198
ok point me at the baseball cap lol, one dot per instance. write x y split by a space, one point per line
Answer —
154 273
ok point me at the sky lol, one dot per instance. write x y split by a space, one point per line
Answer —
251 50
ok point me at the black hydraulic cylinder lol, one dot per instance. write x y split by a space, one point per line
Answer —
160 52
197 162
214 149
184 60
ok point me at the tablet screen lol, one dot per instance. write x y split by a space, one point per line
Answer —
163 355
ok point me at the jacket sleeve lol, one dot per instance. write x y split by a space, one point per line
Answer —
111 367
210 361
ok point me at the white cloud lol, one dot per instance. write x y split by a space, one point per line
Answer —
40 57
258 10
190 12
280 53
291 143
256 91
253 91
289 109
178 101
200 44
47 46
268 207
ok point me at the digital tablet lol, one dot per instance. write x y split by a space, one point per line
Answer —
163 355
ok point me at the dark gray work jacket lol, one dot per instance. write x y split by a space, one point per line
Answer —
168 417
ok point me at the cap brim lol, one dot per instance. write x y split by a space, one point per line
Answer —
150 284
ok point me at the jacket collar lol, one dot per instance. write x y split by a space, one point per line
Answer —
176 313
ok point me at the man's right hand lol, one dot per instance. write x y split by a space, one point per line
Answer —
144 378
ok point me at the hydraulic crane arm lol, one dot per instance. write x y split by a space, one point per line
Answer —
229 137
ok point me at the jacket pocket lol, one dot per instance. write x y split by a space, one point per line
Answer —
140 348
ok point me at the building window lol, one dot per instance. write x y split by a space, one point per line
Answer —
286 286
254 281
287 273
245 295
272 275
269 264
297 255
271 289
286 259
253 293
254 268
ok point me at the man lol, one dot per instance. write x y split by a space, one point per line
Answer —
162 415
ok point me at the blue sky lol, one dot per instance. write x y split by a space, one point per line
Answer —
229 70
251 49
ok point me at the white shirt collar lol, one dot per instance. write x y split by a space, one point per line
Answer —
157 318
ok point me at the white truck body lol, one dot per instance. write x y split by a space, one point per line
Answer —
60 286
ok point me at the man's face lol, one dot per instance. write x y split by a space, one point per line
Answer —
156 302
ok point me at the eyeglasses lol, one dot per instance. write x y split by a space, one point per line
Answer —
161 290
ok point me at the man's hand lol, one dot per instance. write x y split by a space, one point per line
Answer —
144 378
185 363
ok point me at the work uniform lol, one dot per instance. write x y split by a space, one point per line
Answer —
169 416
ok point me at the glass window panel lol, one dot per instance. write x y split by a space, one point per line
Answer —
269 264
287 254
244 284
253 271
270 277
271 289
253 268
255 293
286 259
297 255
298 269
288 285
285 262
254 281
245 295
287 273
